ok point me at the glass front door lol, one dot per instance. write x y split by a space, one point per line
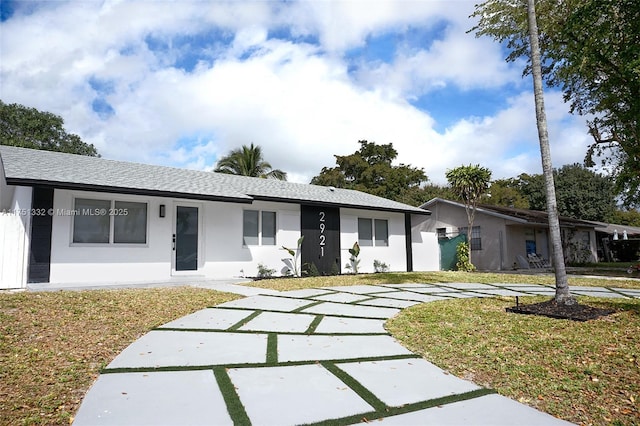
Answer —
186 238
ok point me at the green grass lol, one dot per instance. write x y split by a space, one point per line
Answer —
583 372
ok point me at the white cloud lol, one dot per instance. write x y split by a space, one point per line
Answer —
295 99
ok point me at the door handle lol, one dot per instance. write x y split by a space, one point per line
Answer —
174 242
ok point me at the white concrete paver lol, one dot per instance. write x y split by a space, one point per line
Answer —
294 395
399 382
154 398
279 322
340 297
191 348
359 289
388 303
267 303
468 286
330 308
489 410
410 295
314 348
209 319
350 325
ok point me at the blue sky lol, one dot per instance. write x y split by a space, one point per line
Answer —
182 83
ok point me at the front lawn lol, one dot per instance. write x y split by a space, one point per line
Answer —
53 344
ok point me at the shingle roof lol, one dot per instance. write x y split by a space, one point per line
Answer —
524 216
35 167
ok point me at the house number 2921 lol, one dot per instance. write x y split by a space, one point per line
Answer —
322 236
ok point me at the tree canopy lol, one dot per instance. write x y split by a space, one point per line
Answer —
248 161
370 170
29 128
581 193
591 50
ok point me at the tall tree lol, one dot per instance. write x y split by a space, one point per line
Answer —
506 192
470 183
248 161
563 296
30 128
370 170
591 50
581 193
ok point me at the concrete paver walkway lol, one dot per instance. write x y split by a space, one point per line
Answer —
315 356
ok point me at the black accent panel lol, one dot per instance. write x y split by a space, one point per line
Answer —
320 227
408 241
40 245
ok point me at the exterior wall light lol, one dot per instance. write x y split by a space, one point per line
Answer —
162 210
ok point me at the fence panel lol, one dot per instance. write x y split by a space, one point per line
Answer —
13 252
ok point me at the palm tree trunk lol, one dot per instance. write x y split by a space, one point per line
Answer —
562 285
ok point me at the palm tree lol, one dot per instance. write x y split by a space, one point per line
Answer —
248 161
469 183
563 296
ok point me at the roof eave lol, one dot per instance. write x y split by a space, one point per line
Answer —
339 205
124 190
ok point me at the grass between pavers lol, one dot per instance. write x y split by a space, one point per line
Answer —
584 372
53 344
286 284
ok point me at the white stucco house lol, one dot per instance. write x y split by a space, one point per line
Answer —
74 219
504 236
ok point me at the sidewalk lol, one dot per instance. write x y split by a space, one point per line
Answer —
314 356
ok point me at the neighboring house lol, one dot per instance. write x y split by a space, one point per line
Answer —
75 219
608 233
502 237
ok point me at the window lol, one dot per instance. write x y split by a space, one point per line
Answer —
130 223
373 232
259 228
365 234
89 226
381 233
475 240
268 228
106 222
586 240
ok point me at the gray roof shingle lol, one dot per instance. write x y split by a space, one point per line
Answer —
35 167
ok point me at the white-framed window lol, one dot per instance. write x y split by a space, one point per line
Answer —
373 232
475 240
258 228
105 221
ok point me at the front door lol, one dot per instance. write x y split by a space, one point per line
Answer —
320 227
185 239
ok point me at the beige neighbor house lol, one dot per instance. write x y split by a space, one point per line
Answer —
505 238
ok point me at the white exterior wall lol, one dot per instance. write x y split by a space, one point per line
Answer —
220 250
225 254
394 255
424 246
72 263
15 226
221 253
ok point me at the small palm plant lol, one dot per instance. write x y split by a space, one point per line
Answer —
354 262
291 264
